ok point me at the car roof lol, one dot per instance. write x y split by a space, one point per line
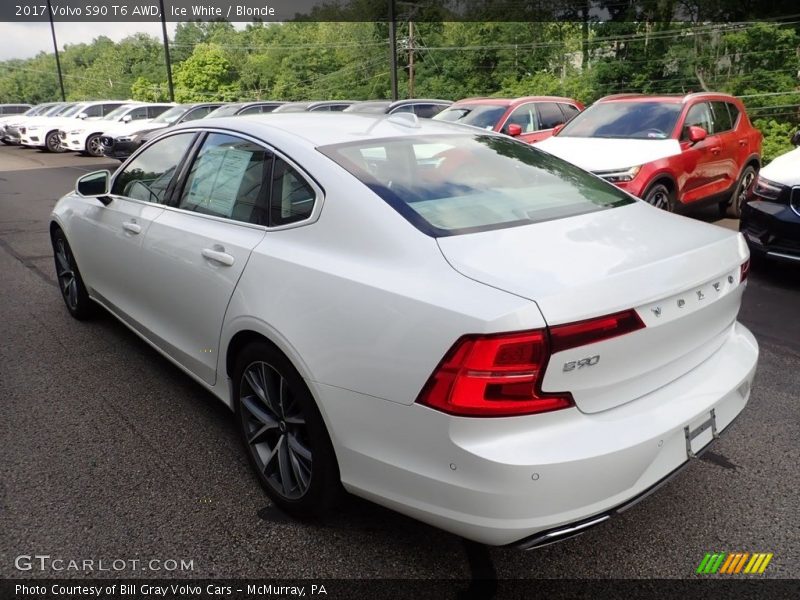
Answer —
512 101
668 98
322 129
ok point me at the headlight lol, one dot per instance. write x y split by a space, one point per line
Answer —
619 175
768 189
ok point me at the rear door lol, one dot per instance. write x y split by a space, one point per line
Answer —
729 147
702 168
195 252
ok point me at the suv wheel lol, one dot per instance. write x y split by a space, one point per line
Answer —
93 145
739 197
52 142
660 196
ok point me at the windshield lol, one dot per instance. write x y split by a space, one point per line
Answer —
118 112
224 111
484 116
54 110
73 111
454 184
633 120
170 116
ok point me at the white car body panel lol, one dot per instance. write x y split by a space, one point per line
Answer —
598 154
365 306
784 169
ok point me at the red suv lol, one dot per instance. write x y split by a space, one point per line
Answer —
531 119
671 151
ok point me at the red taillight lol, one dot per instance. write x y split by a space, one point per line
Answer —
494 376
572 335
744 271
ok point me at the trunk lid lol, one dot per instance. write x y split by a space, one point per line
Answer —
680 275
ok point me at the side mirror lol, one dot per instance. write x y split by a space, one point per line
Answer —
697 134
127 119
514 130
95 185
796 138
558 128
83 115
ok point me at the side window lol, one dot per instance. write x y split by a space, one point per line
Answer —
428 111
94 111
107 108
292 197
522 116
550 115
228 179
405 108
197 113
148 176
569 111
138 113
698 115
722 119
734 112
252 110
154 111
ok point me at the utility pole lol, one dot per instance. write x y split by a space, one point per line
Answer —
411 59
166 52
393 50
55 47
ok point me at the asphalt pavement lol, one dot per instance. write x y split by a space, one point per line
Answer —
108 451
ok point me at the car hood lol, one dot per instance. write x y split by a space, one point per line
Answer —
148 128
605 154
785 169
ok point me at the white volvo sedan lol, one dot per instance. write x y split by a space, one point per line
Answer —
450 323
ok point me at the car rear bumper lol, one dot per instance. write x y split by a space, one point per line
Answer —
512 480
772 230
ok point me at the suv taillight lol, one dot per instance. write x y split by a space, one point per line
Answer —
744 271
500 375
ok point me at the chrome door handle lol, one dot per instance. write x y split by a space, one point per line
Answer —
715 151
132 227
219 256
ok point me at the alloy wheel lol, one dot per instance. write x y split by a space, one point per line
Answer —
747 181
93 145
52 141
275 430
67 281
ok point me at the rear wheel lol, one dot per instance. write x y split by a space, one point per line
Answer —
660 196
93 145
70 282
52 142
283 433
739 197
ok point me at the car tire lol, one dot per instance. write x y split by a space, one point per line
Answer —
52 143
660 196
739 197
284 434
70 282
93 145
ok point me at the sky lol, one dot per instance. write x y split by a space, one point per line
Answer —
24 40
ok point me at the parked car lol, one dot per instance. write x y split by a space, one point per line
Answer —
85 138
42 132
446 321
317 106
531 118
421 107
9 119
245 108
121 146
671 151
18 130
771 219
7 110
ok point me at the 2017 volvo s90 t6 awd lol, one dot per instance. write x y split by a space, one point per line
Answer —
446 321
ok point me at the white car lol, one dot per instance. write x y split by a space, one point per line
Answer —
22 125
85 137
448 322
42 132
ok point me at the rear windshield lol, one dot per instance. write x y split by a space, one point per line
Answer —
484 116
633 120
454 184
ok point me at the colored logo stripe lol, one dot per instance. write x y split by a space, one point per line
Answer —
734 563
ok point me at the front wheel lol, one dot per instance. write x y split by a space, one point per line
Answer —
661 197
52 142
283 433
70 282
93 145
739 196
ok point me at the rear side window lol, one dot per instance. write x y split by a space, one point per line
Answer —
154 111
148 176
550 115
428 111
455 184
569 111
293 197
722 118
734 112
138 114
94 111
227 180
